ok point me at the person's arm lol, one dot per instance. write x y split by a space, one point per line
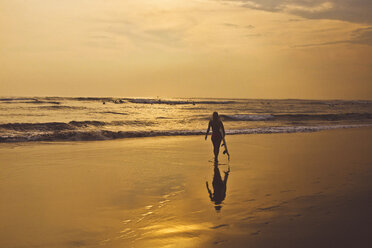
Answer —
223 129
209 127
209 191
226 175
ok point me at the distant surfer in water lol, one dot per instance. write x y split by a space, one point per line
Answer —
218 133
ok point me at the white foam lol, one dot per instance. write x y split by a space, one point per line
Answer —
108 135
293 129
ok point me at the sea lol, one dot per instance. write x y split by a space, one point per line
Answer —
29 119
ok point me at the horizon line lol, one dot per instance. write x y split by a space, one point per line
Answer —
185 97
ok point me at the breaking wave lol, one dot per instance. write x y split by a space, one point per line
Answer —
50 126
79 135
298 117
72 125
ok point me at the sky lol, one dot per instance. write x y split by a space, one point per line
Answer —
312 49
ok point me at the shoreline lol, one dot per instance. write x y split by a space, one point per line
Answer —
119 135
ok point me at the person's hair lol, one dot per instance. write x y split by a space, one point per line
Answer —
215 116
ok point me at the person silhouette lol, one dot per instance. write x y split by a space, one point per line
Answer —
219 187
218 132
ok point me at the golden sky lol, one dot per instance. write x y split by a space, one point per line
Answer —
187 48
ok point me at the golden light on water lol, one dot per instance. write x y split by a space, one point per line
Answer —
181 235
174 229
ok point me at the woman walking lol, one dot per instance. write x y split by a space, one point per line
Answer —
218 132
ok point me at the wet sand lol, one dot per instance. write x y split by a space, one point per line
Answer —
283 190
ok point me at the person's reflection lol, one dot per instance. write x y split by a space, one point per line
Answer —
219 187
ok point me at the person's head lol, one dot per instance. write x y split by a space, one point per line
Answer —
215 116
218 208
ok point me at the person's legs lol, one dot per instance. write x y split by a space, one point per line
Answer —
216 146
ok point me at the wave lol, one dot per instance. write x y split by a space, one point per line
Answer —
294 129
92 135
246 117
114 113
92 98
72 125
297 117
87 123
151 101
137 123
50 126
174 102
57 107
77 135
42 102
26 100
324 117
55 100
6 99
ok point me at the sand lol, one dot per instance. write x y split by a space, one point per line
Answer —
283 190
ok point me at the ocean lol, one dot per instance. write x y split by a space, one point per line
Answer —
26 119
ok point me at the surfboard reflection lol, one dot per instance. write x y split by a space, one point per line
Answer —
219 187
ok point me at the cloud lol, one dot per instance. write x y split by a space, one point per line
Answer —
231 25
361 36
144 33
346 10
238 26
294 20
252 4
253 35
322 7
169 36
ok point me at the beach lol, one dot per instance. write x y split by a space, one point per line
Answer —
105 106
283 190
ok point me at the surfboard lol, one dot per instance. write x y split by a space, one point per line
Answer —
226 151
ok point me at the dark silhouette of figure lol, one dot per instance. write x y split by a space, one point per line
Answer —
218 132
219 187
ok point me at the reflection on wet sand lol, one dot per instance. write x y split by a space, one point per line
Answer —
219 187
292 190
165 221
